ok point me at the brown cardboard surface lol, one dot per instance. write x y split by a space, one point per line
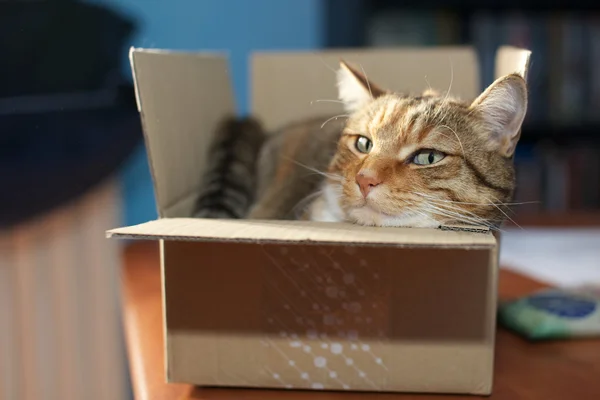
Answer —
286 86
182 97
300 231
332 317
433 368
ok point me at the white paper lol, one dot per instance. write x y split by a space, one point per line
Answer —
561 257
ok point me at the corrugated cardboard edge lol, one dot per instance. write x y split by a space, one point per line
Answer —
487 388
294 232
163 300
138 100
465 228
297 242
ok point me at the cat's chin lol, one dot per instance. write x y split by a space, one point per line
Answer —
368 216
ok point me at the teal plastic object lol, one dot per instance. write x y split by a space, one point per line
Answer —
553 314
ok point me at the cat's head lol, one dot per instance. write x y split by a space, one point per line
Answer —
426 160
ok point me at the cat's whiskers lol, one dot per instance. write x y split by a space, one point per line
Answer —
453 213
476 204
447 96
334 177
462 211
305 202
505 214
506 205
427 81
437 116
460 218
456 212
490 203
367 79
326 101
452 205
442 212
491 224
335 117
451 82
457 138
326 65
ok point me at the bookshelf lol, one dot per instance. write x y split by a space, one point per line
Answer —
558 158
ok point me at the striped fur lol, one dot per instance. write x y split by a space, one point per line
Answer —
291 168
229 187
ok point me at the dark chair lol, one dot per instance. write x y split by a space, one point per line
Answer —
68 119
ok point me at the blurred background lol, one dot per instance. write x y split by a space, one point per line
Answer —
72 161
66 65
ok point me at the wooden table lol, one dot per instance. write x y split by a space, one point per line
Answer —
546 371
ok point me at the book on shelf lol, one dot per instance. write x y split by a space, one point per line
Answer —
402 28
590 177
484 28
574 57
593 101
413 28
528 193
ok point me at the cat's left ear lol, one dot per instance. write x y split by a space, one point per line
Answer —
503 106
354 89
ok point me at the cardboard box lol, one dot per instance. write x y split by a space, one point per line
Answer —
277 304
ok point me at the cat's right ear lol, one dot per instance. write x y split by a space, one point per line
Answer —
354 89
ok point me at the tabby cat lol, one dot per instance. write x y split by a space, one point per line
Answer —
397 160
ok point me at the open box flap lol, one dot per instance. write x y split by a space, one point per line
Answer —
254 231
512 60
287 85
181 97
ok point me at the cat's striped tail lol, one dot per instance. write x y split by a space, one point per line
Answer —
229 185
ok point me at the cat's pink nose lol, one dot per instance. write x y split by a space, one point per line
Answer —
366 181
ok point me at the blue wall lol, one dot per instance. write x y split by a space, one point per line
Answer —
239 26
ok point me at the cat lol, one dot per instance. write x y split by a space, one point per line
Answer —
397 160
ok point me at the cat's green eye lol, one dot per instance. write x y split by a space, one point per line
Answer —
428 157
363 144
